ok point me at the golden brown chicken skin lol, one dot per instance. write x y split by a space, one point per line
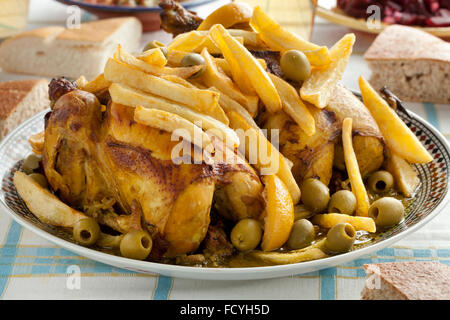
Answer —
93 157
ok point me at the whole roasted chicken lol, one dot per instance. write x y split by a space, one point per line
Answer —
122 173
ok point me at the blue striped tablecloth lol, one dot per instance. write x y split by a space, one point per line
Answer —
32 268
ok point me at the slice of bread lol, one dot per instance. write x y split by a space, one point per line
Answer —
56 52
413 64
21 100
412 280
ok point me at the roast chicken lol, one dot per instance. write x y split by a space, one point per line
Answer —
99 160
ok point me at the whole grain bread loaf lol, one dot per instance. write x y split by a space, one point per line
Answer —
413 64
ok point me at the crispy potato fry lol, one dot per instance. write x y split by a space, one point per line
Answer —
279 216
81 81
183 72
281 39
36 142
229 104
196 41
294 106
396 133
228 15
214 77
43 204
249 38
96 85
204 101
178 80
319 87
127 96
249 68
358 188
274 159
312 252
173 123
225 67
328 220
153 56
405 177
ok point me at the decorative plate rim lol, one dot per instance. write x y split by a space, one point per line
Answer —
125 9
242 273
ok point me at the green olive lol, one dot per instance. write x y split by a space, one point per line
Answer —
315 195
246 235
136 244
86 231
302 212
193 59
387 211
156 44
31 163
380 181
295 65
343 201
41 179
340 237
302 234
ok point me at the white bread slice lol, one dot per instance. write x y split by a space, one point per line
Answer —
21 100
56 52
413 64
411 280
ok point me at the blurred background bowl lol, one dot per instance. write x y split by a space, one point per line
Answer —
149 16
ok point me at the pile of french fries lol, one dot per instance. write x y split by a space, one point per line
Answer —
227 93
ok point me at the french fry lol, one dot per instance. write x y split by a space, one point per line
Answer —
358 188
180 81
36 142
328 220
225 67
214 77
249 68
153 56
319 87
281 39
396 133
196 41
183 72
43 204
249 38
275 161
229 104
293 105
81 81
125 95
204 101
173 123
96 85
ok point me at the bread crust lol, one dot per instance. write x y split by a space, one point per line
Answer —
398 42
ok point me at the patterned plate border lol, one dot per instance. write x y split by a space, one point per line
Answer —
430 199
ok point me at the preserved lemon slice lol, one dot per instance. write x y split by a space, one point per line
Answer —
279 213
228 15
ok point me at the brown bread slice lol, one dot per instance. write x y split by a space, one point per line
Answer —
412 280
19 101
413 64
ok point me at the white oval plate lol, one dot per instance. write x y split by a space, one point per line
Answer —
429 200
